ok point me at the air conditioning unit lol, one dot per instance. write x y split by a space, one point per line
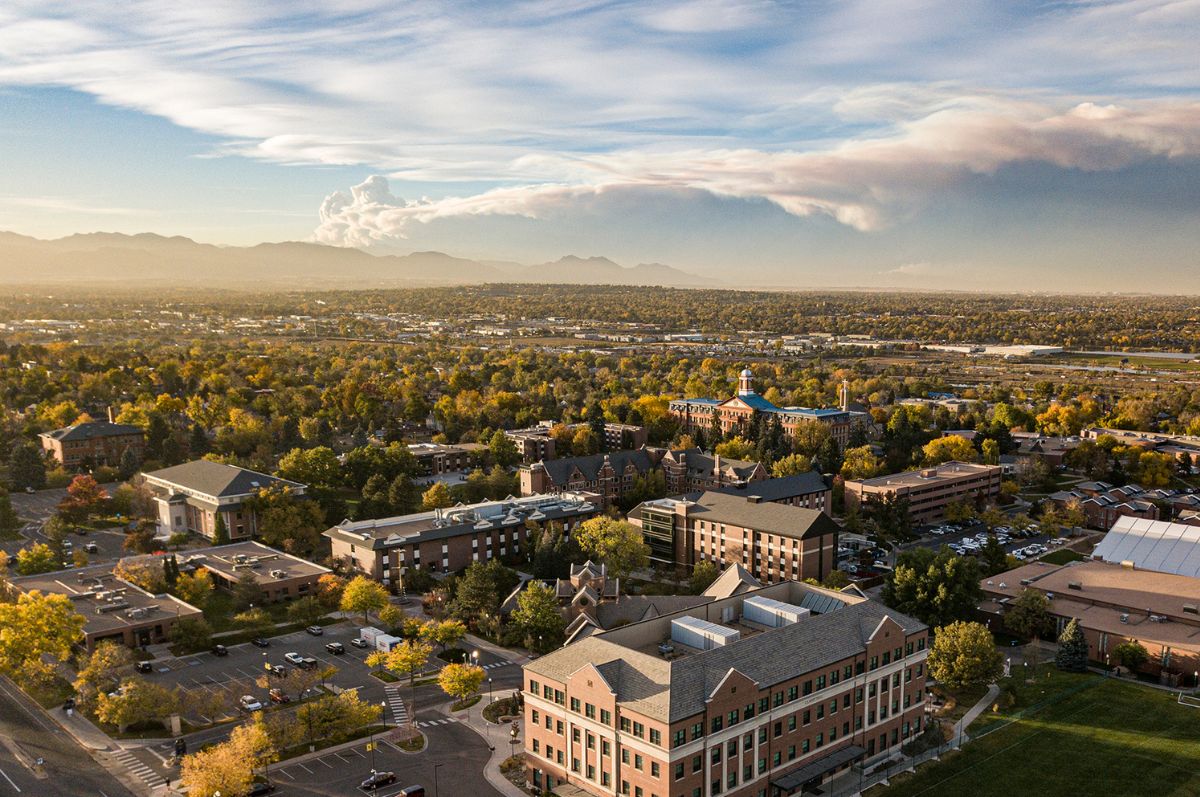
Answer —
277 573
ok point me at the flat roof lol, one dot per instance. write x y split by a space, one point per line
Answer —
1153 545
264 562
922 476
107 603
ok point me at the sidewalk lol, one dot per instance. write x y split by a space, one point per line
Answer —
960 727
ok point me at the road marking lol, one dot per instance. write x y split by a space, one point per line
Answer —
323 761
10 781
285 772
355 751
306 769
40 720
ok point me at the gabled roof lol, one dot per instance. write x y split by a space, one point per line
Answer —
92 430
772 490
734 580
217 479
560 470
783 519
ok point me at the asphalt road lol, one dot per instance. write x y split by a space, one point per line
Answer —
67 769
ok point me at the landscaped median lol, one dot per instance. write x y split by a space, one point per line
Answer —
1064 735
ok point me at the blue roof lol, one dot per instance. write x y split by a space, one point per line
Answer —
757 402
708 401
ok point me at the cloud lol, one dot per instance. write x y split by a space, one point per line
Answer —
911 270
865 184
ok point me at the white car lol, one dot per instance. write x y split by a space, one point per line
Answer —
250 703
294 658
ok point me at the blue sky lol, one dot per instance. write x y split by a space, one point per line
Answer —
910 143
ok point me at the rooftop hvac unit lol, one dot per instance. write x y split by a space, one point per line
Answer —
135 614
772 613
102 595
277 573
111 607
701 634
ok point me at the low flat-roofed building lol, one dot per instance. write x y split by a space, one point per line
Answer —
808 490
434 459
114 609
445 540
929 490
705 700
280 575
93 444
190 496
775 542
1113 604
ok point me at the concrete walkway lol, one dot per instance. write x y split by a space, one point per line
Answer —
497 736
985 703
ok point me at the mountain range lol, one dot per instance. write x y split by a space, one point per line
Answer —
148 258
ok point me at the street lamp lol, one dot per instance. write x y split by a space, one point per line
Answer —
490 698
436 767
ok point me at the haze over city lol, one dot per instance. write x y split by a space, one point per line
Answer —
912 144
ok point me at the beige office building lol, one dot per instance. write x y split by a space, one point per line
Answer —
929 490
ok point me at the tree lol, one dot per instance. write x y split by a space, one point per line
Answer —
436 497
220 531
703 575
1072 653
101 671
329 590
191 633
363 595
37 627
316 467
37 558
936 588
503 449
408 659
959 511
140 540
256 621
861 463
138 701
963 655
194 588
246 591
26 468
460 681
551 552
991 517
990 452
391 616
481 588
584 442
1029 615
9 520
791 465
145 572
84 497
888 517
226 768
446 633
1131 655
949 448
306 611
287 521
616 543
336 717
538 617
736 448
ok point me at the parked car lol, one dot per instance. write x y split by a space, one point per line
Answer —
294 658
412 791
377 779
308 663
144 666
260 642
315 630
278 670
359 642
260 788
250 703
92 547
220 650
336 648
277 695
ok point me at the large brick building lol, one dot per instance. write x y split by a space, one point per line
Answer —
536 443
613 475
93 444
808 490
929 490
191 496
774 542
735 414
766 692
446 540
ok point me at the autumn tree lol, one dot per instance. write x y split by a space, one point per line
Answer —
101 671
948 448
227 768
37 558
860 463
1132 655
445 633
408 659
306 611
84 498
963 655
736 447
256 621
703 575
461 681
362 594
35 631
194 588
287 521
616 543
191 633
436 497
791 465
137 702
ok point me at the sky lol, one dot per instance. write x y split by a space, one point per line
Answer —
905 143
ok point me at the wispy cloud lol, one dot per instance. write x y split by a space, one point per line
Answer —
60 204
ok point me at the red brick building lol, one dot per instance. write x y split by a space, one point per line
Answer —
700 701
93 444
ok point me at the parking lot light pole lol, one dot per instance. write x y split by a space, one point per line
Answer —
436 767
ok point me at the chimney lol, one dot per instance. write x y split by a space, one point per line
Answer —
110 414
754 499
845 395
717 464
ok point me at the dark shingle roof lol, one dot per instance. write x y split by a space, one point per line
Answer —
92 430
790 521
781 488
217 479
560 470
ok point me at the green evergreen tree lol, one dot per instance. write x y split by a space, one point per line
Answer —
220 531
26 468
1072 653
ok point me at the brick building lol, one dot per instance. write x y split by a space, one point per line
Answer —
536 444
446 540
735 415
434 459
93 444
700 701
280 576
808 490
929 490
190 496
774 542
613 475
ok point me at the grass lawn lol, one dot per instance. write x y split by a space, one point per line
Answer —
1112 738
1062 556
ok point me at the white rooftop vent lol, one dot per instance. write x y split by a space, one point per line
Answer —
701 634
772 613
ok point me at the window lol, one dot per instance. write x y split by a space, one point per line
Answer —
887 657
591 742
733 717
764 703
559 727
605 747
655 737
589 711
639 730
679 771
762 735
779 698
716 724
792 722
731 748
536 745
833 706
748 712
820 682
791 752
697 762
804 746
575 704
679 738
697 730
793 693
574 764
575 735
874 662
605 716
654 771
820 739
591 772
716 755
626 724
778 729
807 687
637 763
533 686
547 693
534 717
624 755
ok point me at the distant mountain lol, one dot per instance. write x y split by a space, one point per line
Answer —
115 258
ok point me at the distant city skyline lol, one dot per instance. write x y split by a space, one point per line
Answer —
911 143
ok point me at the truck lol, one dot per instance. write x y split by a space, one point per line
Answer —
385 642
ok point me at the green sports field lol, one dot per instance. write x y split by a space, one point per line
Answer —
1107 738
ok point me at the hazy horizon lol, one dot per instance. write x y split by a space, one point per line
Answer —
911 145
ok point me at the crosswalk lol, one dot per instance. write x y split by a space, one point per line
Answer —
143 772
431 723
494 665
396 704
